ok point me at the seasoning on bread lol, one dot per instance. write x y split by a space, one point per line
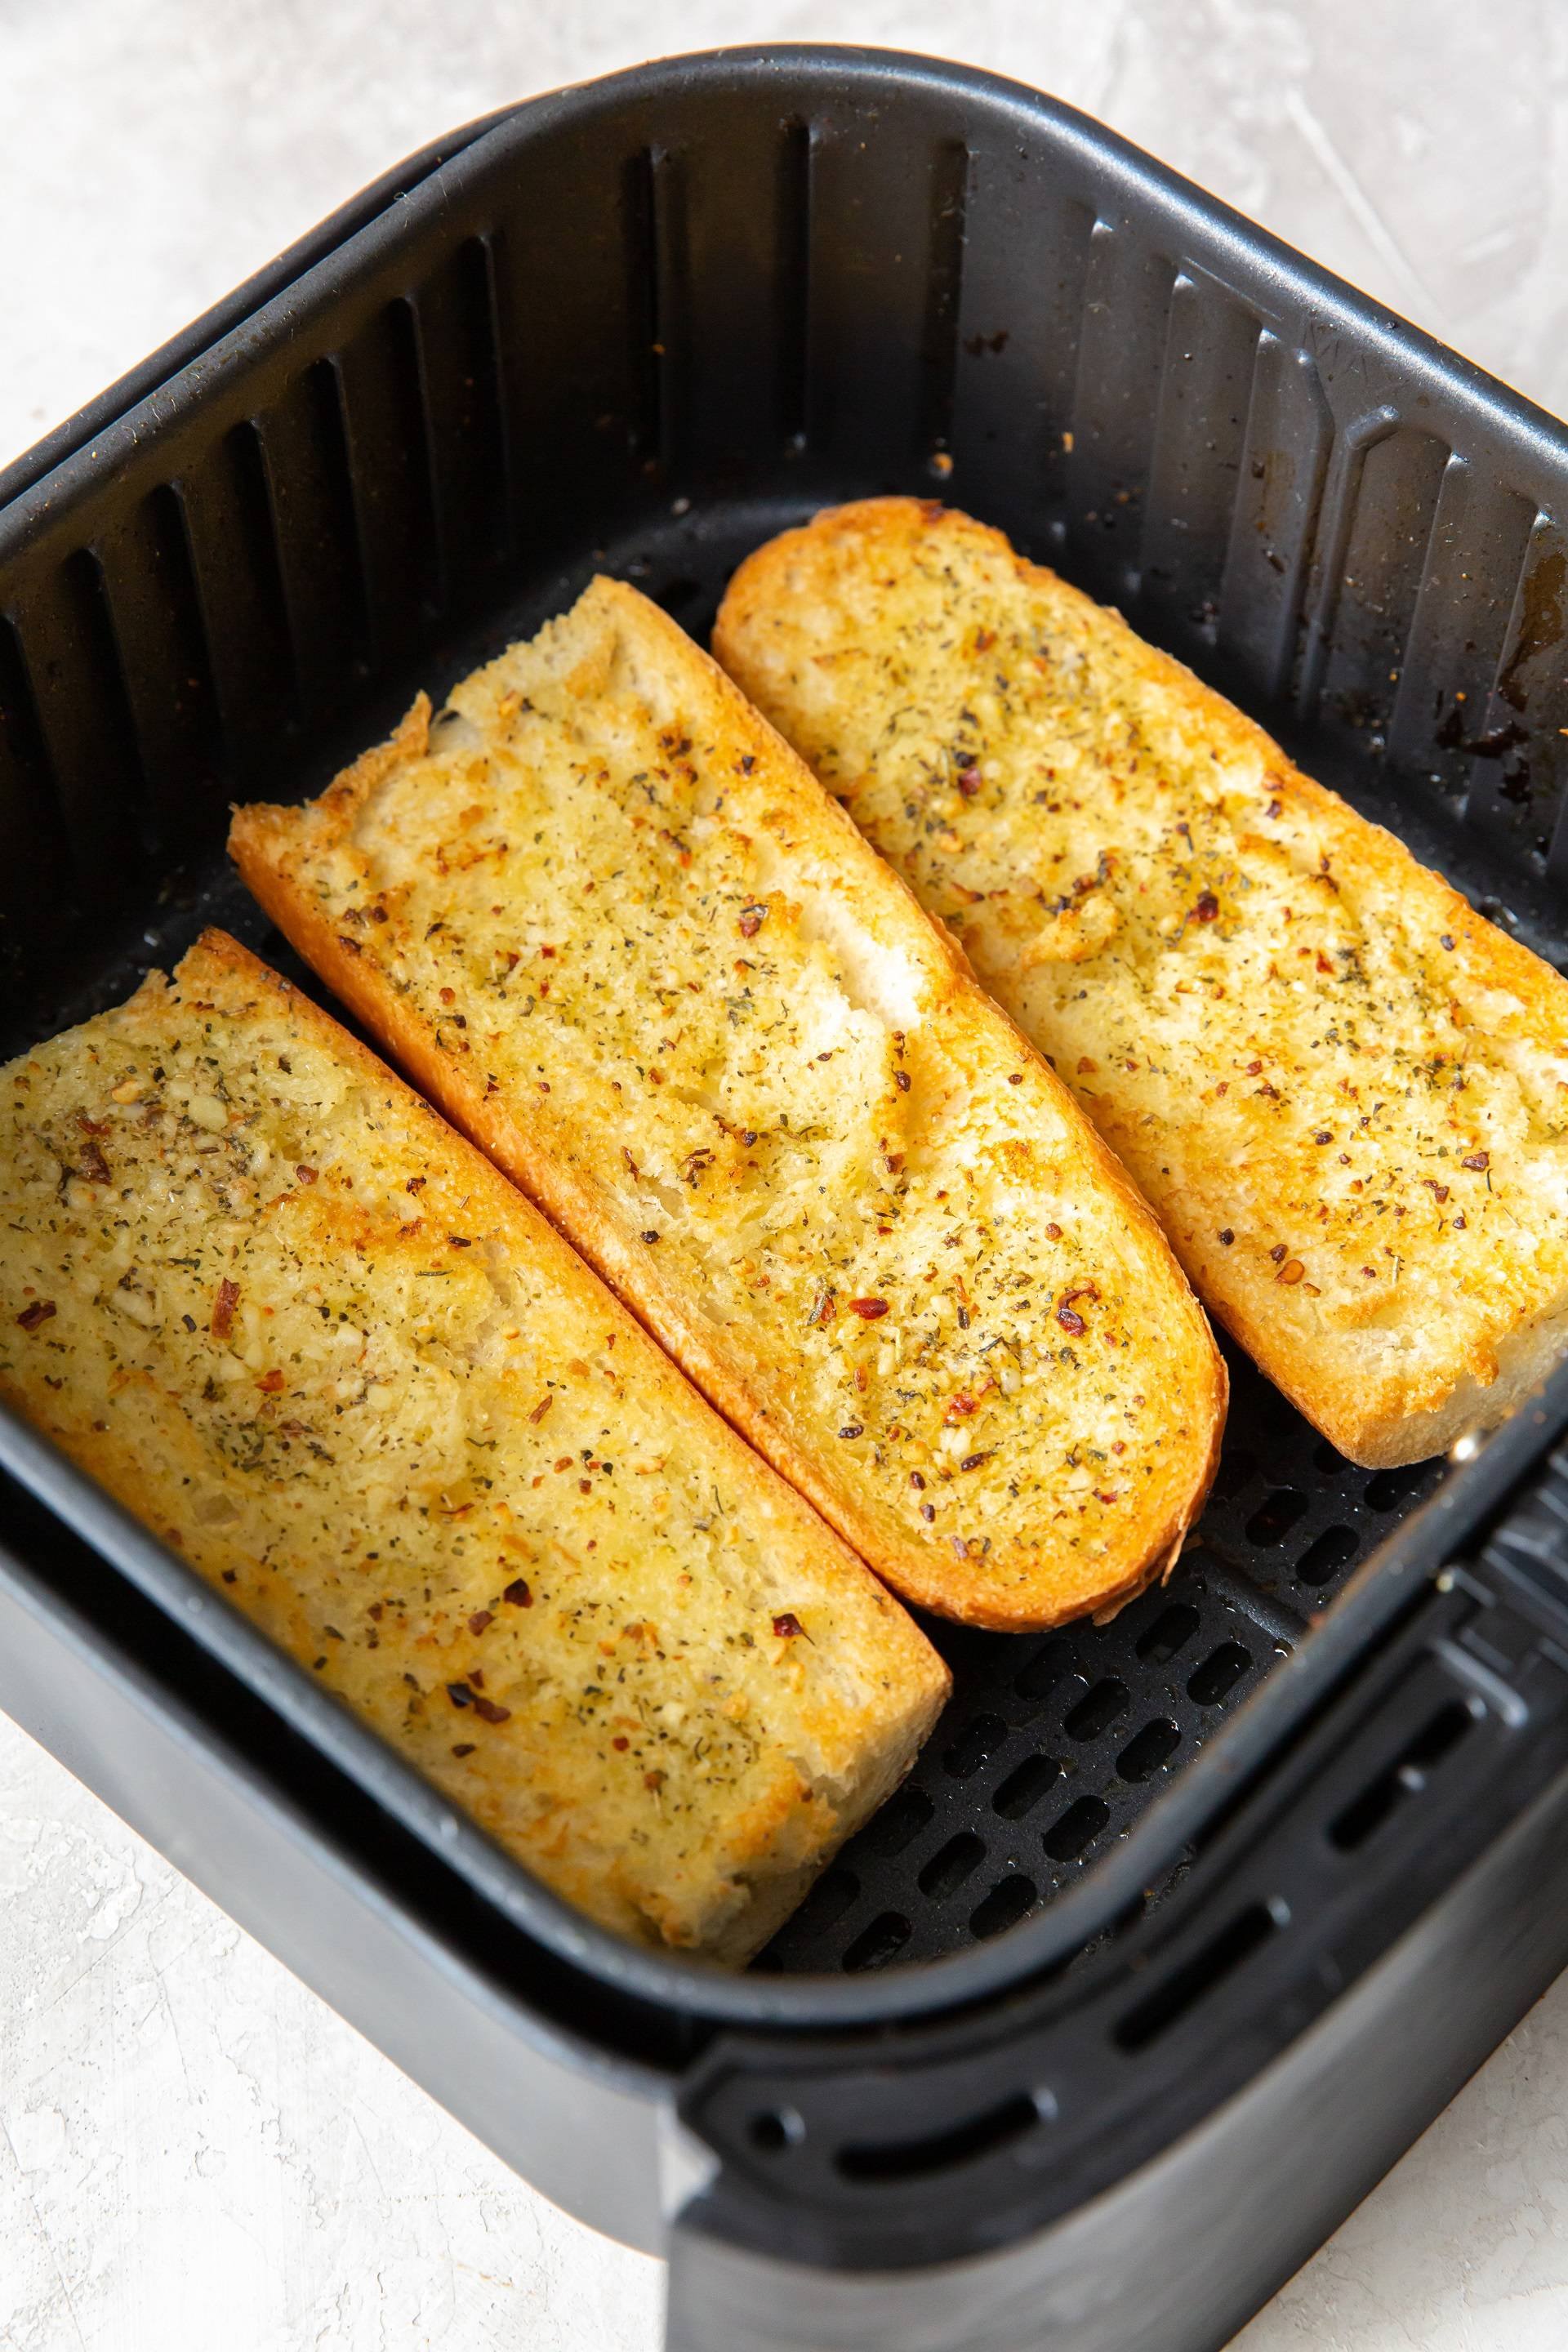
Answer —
615 931
1346 1094
321 1347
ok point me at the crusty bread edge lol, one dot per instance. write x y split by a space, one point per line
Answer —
1374 1437
260 845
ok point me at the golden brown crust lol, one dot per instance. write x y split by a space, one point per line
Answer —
324 1348
1377 1221
560 725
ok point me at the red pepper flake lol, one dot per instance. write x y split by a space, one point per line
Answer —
345 941
753 917
415 1184
1252 1069
459 1241
518 1593
479 1619
825 1309
1053 1232
853 1429
869 1309
460 1693
974 1461
223 1313
1322 1135
1439 1191
1015 1077
271 1382
540 1409
901 1080
969 782
463 1748
786 1625
748 762
1226 1237
1459 1225
1446 941
917 1482
1291 1271
39 1312
1104 1498
620 1744
448 996
650 1237
91 1126
1478 1161
1278 1251
927 1512
94 1166
1071 1321
488 1711
653 1780
631 1163
1207 908
961 1406
1086 1066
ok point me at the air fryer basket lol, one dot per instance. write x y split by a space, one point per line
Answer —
1108 2015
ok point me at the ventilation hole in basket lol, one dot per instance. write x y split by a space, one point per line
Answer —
828 1901
1335 1549
1220 1672
946 1872
1328 1460
1273 1520
1168 1634
1021 1791
1067 1839
1003 1908
901 1818
1097 1710
939 2151
1182 1990
1389 1489
1043 1672
975 1744
875 1946
775 2129
1147 1750
1405 1777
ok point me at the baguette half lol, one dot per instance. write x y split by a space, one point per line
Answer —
310 1336
616 930
1346 1094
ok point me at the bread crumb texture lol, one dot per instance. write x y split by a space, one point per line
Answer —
1344 1091
315 1341
628 943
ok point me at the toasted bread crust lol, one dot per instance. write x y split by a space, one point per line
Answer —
323 1347
1346 1094
644 783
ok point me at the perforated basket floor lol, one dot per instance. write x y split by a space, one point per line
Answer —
1051 1747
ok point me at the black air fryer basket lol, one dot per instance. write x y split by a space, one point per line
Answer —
1183 1927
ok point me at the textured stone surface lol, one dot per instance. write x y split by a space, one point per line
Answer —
192 2149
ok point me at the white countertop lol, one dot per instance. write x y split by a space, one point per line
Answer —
192 2149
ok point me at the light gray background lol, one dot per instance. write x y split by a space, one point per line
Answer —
194 2151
